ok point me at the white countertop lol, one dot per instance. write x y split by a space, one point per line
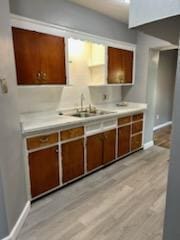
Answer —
39 121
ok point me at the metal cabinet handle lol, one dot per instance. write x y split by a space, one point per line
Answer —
44 140
43 76
105 137
38 76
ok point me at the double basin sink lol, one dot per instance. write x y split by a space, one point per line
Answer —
87 114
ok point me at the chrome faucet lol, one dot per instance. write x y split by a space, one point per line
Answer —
82 102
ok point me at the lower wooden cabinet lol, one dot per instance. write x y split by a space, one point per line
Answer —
109 146
124 137
94 151
101 149
44 170
72 159
76 157
136 142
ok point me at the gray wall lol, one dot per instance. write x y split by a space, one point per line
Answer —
172 218
12 184
155 29
145 83
142 12
73 16
165 86
3 219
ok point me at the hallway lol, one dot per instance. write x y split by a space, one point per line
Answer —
162 137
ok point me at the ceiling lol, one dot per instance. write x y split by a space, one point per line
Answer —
117 9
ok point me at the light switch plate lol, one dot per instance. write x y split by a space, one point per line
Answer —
3 85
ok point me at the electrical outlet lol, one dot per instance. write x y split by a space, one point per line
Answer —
157 117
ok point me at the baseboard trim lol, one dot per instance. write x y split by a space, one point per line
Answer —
162 125
148 145
16 229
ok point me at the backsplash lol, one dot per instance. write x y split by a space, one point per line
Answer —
34 99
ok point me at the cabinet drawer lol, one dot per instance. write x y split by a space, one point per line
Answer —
124 120
137 127
136 142
72 133
137 117
41 141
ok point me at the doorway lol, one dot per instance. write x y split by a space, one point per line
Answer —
164 97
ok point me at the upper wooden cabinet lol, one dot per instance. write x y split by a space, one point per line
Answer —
120 66
40 58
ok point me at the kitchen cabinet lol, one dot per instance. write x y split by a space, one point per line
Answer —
41 141
124 137
72 159
80 152
137 127
120 66
137 130
44 170
40 58
109 146
94 151
72 133
101 149
136 142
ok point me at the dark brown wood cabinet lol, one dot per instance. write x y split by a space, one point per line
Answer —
40 58
120 66
94 151
137 127
44 170
124 137
136 142
72 159
101 149
109 146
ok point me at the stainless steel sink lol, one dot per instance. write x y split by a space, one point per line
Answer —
86 114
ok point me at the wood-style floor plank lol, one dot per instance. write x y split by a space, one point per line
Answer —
121 202
162 137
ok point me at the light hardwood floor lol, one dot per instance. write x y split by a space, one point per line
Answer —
162 137
124 201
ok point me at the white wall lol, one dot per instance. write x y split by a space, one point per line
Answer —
142 12
12 172
53 98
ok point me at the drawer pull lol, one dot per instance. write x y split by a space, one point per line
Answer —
105 137
44 140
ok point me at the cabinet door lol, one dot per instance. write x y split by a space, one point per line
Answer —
136 142
109 146
120 66
94 151
52 55
124 134
137 127
26 49
44 170
73 159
